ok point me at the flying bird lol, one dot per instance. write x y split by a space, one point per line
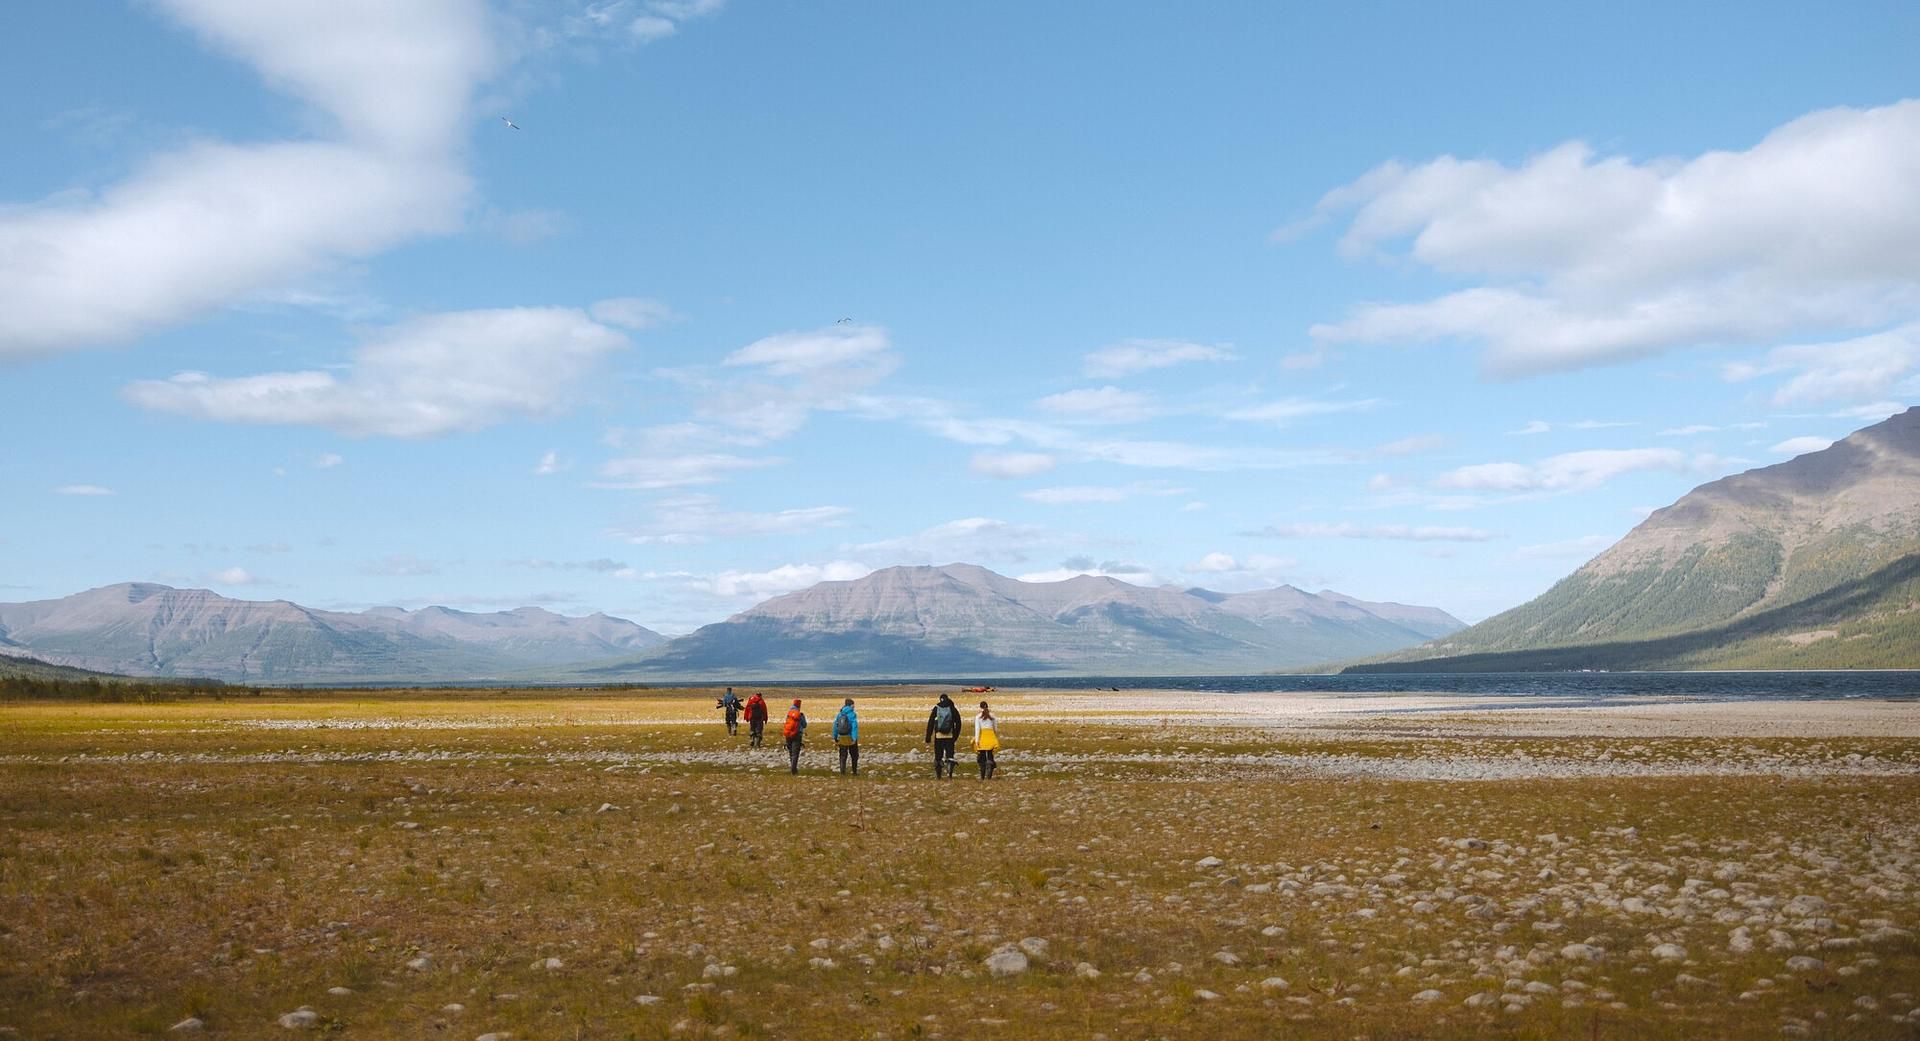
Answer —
843 321
511 125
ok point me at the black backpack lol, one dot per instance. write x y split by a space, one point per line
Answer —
843 725
946 719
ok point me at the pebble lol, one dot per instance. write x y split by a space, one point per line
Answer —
300 1019
498 1035
1670 952
188 1025
340 992
1034 947
420 964
1007 961
1803 963
1428 995
646 999
1208 862
1580 952
1086 971
1273 983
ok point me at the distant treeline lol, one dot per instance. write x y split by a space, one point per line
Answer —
34 688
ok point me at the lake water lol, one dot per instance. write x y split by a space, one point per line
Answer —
1900 685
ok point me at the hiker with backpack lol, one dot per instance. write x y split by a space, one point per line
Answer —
986 741
756 720
794 730
730 703
943 732
846 734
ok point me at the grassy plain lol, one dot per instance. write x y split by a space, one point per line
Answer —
614 866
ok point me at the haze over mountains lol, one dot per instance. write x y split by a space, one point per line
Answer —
961 619
1810 563
145 629
899 622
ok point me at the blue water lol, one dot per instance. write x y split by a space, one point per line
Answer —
1898 685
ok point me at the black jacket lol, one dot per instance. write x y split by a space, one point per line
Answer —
934 714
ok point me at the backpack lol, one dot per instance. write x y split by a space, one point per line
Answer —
946 719
843 725
792 727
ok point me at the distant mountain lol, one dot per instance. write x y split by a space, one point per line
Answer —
1810 563
145 629
966 620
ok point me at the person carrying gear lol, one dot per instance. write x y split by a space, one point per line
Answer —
794 730
756 720
846 735
730 703
943 732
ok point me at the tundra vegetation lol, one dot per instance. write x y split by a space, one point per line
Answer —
612 865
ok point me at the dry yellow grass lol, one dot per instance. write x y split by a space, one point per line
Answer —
237 860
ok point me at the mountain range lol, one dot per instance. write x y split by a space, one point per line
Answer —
146 629
1809 563
962 619
956 620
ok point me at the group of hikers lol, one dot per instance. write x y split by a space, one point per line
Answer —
943 732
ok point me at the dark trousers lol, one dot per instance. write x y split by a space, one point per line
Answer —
733 722
985 759
850 754
943 756
756 729
793 754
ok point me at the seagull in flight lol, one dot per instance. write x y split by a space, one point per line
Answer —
511 125
843 321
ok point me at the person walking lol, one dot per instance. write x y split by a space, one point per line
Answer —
943 732
730 703
756 720
986 741
846 735
794 731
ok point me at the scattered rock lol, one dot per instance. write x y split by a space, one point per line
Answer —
1428 995
1803 963
300 1019
1086 971
1208 862
1669 952
189 1025
1007 961
1034 947
1580 952
1273 983
420 964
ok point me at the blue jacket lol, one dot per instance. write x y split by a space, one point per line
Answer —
853 723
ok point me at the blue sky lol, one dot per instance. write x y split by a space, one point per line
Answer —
1417 303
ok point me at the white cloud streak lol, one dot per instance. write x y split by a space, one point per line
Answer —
1590 259
1387 532
1571 471
459 371
205 225
1131 356
1010 465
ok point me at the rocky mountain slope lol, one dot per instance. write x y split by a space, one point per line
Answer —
1810 563
145 629
966 620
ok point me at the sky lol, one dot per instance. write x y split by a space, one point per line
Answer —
1426 303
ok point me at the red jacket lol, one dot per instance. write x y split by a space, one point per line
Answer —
756 709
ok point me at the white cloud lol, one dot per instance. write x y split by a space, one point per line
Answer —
1577 548
633 312
459 371
1801 445
523 227
235 576
1390 532
1072 494
698 518
1289 409
82 489
400 565
1010 465
1107 404
1226 564
1588 259
549 465
603 565
328 460
207 224
1861 368
639 21
675 471
799 353
784 579
1414 445
1131 356
1571 471
972 539
1534 426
